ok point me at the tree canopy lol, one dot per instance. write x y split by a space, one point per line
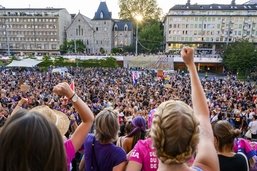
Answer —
148 9
151 37
72 46
240 57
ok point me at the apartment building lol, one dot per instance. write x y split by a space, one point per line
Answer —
25 31
210 27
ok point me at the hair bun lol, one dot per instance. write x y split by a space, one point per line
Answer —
236 132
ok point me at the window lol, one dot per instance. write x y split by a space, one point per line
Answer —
101 15
115 27
126 27
96 28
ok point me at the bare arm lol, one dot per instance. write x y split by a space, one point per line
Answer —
135 166
207 161
120 167
82 164
85 114
19 105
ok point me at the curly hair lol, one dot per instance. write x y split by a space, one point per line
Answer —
175 132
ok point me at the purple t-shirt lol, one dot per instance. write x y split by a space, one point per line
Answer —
107 155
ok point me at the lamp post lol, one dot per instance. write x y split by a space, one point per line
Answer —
138 19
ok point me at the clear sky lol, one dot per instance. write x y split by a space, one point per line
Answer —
89 7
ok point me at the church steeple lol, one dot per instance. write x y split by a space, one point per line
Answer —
188 2
103 12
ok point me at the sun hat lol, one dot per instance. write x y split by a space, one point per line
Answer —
60 120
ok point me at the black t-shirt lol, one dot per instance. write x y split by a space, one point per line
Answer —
238 121
235 163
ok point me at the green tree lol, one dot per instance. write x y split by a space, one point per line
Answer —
64 47
240 57
102 51
80 46
151 37
69 47
148 9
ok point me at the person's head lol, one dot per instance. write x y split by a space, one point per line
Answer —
224 135
106 126
175 132
138 130
30 142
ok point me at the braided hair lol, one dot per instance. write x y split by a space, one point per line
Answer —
175 132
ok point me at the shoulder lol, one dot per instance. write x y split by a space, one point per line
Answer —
147 143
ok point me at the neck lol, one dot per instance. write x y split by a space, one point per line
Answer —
226 151
173 167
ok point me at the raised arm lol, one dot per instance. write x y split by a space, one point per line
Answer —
19 105
206 157
84 111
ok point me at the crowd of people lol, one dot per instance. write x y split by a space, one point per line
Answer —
148 113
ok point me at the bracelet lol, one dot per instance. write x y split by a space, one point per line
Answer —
72 96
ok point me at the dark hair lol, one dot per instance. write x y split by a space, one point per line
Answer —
29 142
225 134
138 130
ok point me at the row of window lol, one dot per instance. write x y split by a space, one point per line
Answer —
17 39
22 33
30 46
204 39
28 20
121 43
211 19
212 33
212 26
28 26
215 12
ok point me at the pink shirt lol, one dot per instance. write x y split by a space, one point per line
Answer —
70 152
144 153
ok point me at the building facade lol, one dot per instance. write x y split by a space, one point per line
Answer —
209 28
101 32
32 30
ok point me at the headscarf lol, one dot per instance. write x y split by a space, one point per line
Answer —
139 124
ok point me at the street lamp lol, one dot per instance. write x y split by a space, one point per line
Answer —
138 19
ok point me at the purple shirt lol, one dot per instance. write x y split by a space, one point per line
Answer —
107 155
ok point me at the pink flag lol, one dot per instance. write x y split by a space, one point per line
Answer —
72 85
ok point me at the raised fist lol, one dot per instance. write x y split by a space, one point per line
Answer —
187 53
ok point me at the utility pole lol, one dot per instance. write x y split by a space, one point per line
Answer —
75 46
136 36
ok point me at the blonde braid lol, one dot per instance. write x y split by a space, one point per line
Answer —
169 119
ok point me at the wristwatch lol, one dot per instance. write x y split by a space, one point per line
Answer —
74 98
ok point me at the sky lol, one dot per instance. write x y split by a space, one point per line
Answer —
89 7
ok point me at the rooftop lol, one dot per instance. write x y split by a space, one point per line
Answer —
215 7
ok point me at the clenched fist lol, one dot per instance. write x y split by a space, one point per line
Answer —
187 53
63 89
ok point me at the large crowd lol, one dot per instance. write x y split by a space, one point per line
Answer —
108 91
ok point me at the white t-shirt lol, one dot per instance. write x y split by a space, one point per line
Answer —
253 126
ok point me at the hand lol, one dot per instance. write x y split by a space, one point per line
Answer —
63 89
22 101
187 54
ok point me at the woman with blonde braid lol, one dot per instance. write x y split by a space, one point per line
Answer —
180 132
